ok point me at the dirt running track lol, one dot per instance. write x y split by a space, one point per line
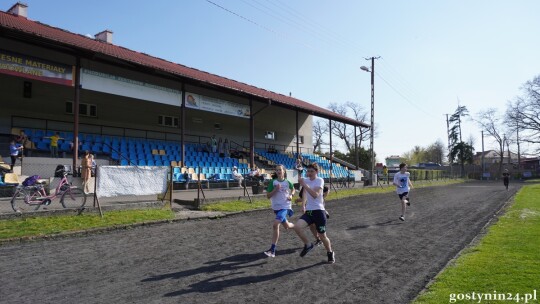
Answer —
379 259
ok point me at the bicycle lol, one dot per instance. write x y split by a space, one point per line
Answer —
35 195
349 181
346 182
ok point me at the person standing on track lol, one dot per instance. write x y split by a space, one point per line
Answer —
314 213
403 184
506 178
280 192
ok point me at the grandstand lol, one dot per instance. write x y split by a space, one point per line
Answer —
139 110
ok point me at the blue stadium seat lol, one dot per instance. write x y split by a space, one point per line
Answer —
65 147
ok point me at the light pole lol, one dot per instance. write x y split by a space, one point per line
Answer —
372 71
483 164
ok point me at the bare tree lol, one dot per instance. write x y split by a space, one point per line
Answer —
344 131
523 114
491 122
320 129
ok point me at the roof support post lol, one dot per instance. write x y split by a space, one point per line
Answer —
297 137
357 161
251 134
76 98
183 126
331 152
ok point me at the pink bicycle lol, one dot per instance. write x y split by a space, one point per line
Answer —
35 196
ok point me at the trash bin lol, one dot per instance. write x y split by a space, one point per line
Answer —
257 189
367 182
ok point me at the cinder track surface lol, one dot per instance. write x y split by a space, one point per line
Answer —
379 259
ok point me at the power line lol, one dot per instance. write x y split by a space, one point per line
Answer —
301 23
255 23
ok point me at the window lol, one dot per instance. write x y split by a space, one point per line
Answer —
301 139
269 135
85 109
168 121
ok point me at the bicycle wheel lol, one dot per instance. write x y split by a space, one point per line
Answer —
22 197
73 198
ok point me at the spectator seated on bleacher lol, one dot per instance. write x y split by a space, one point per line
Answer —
237 176
214 177
187 177
256 174
299 165
272 149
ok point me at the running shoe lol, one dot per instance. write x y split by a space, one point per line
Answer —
408 201
306 249
331 258
402 218
270 254
318 242
327 214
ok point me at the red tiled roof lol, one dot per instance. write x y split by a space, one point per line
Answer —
65 38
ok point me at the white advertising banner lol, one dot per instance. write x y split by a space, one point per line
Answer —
205 103
112 84
131 180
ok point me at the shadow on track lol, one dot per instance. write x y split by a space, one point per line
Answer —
215 284
387 223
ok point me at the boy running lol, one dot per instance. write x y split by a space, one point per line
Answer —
506 178
280 192
315 212
403 185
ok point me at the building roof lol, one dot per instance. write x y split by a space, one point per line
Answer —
28 30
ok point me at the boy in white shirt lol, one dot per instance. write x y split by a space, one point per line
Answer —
314 213
403 184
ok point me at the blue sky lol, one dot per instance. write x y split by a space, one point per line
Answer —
433 53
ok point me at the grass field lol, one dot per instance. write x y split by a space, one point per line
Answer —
45 225
504 265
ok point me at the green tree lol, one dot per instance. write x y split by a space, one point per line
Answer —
463 151
456 142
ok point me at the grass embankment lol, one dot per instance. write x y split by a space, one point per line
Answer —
504 263
50 225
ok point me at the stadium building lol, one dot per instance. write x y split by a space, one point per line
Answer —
130 108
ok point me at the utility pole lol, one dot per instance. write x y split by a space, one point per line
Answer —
372 127
483 164
448 136
519 155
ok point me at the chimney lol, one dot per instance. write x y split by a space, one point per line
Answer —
105 36
19 9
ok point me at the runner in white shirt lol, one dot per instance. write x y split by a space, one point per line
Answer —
403 184
315 212
280 192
